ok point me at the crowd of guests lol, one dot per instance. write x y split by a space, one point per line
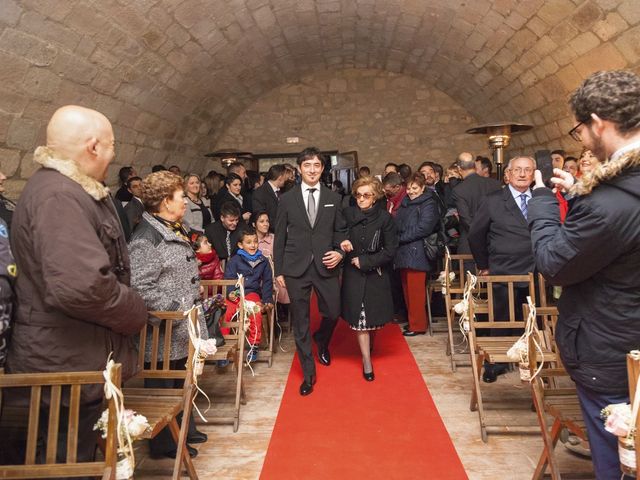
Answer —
91 265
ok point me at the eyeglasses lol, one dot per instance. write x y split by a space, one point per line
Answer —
573 133
520 170
366 196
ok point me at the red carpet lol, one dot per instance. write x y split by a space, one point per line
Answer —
352 429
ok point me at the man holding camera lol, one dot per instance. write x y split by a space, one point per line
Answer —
595 254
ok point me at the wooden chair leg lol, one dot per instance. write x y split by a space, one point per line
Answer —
547 457
179 435
476 366
429 316
476 394
272 322
452 351
239 398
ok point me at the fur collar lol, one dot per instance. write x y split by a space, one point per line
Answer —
46 157
606 171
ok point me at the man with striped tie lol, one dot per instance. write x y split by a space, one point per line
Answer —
500 241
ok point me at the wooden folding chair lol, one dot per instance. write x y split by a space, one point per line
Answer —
232 350
453 292
53 385
161 406
494 349
633 372
554 395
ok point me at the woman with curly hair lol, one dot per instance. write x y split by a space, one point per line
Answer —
164 271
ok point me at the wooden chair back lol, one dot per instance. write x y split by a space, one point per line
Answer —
633 372
234 344
554 393
456 264
55 387
542 289
488 307
159 332
452 293
224 287
162 405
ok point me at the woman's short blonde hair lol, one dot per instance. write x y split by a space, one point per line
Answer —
158 186
371 182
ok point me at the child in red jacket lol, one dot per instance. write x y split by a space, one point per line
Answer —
208 261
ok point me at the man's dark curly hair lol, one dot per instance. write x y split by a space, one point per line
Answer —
612 95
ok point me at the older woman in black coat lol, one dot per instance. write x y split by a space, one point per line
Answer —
417 218
366 288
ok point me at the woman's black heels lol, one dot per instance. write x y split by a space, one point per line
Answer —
369 377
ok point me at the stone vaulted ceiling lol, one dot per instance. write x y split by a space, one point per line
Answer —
172 74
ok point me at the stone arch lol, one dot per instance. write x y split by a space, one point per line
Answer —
172 75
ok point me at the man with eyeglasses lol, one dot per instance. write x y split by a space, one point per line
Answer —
595 254
501 244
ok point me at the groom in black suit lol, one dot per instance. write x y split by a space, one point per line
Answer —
309 230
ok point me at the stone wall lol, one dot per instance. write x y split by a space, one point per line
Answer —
384 116
174 75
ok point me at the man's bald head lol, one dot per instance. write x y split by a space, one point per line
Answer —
84 136
466 161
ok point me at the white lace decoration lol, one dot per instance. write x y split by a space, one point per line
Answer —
196 340
125 465
519 351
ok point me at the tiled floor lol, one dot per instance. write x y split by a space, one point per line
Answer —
240 455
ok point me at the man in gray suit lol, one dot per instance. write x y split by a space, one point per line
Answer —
309 230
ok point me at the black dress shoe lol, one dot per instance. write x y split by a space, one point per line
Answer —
405 327
491 371
411 333
197 437
307 387
324 357
369 377
193 453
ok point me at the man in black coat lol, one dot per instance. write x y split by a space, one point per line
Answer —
309 229
134 208
267 196
223 235
501 244
595 254
468 195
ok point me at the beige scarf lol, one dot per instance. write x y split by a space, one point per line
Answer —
46 157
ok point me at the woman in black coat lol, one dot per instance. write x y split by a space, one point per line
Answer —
366 287
417 218
231 193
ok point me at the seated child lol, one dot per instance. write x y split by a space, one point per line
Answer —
208 261
258 284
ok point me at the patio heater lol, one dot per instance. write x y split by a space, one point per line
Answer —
499 137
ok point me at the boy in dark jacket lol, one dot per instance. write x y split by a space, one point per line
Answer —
258 284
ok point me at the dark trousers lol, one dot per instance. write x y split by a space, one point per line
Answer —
328 292
164 443
604 445
397 294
